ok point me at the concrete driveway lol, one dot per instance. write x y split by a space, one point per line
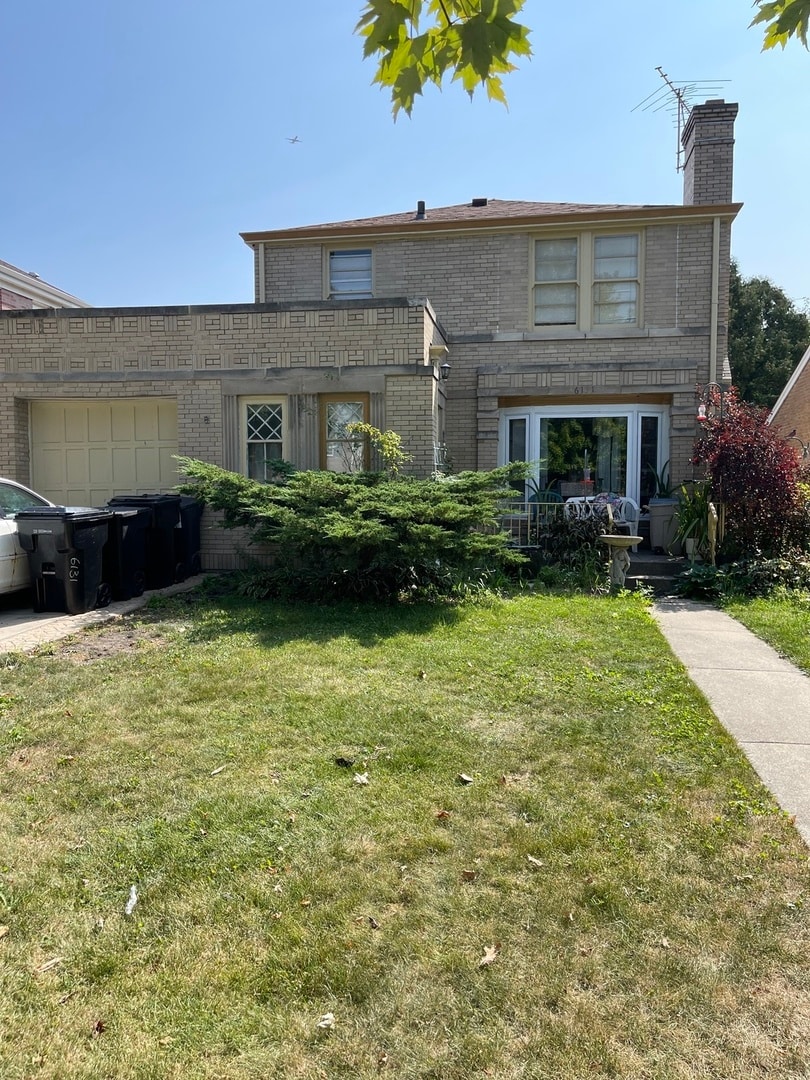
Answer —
22 628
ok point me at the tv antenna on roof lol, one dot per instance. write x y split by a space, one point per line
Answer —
678 99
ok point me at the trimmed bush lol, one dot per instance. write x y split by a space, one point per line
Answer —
366 535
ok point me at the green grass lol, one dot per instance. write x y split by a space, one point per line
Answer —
660 932
783 620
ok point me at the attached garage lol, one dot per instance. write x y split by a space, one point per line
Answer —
84 452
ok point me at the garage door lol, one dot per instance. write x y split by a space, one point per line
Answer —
84 452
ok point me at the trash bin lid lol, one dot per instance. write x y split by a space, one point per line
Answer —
63 513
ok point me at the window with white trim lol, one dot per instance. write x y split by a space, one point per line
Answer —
350 274
584 450
585 281
263 427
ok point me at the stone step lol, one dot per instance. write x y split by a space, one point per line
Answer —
655 572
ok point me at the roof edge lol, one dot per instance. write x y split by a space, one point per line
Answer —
676 212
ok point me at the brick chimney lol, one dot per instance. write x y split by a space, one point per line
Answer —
708 148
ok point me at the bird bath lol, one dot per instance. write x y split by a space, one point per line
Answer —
619 556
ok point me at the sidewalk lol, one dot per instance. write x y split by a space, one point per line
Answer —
762 700
22 628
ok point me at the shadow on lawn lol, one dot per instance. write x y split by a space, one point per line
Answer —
218 611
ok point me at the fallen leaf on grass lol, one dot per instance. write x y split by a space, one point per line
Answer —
326 1021
344 762
306 903
535 862
4 931
443 815
422 674
490 955
98 1029
665 943
216 772
361 778
463 778
382 1060
469 875
66 997
49 964
372 922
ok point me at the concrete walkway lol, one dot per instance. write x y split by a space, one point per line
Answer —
760 698
22 629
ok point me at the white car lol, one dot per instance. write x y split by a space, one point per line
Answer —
13 560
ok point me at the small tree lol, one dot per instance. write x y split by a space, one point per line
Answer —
754 473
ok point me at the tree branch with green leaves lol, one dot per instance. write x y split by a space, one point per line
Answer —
783 19
417 42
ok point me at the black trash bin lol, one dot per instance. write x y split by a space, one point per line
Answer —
125 553
162 565
65 547
187 537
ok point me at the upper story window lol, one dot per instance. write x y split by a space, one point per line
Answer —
615 279
555 291
350 274
588 280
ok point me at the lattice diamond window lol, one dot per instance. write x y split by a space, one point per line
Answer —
265 439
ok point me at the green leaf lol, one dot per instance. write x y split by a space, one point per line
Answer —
783 19
472 40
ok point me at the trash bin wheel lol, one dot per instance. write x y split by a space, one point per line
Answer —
196 564
104 595
138 583
180 572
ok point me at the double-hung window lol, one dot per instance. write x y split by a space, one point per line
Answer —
586 281
556 277
350 274
263 425
615 279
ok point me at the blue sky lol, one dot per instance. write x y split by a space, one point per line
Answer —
139 140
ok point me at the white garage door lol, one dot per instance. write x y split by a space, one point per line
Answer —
84 452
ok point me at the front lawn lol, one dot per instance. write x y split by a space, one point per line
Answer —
503 840
781 620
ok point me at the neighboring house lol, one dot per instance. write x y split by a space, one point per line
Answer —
21 290
575 336
791 413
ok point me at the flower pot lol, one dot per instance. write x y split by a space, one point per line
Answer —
663 524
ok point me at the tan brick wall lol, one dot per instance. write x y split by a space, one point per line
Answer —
411 409
481 283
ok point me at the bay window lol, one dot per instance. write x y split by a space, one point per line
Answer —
579 450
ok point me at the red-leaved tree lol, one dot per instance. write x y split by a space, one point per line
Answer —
755 473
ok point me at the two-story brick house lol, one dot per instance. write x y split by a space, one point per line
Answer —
574 335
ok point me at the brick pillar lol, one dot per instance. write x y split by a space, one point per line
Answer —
708 145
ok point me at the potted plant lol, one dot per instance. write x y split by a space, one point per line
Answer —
662 507
693 519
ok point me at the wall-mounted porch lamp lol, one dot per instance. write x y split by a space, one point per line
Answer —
439 352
